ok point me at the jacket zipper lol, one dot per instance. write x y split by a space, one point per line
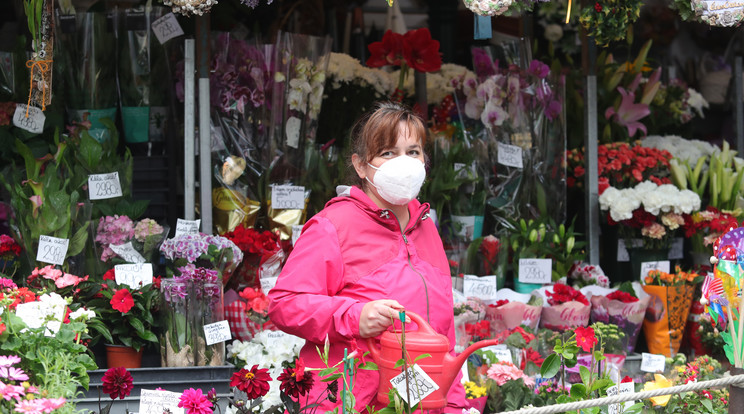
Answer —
408 254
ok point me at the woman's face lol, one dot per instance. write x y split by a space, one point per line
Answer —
406 145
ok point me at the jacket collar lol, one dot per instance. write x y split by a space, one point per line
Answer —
416 209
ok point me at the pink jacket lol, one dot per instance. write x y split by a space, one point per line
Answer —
351 253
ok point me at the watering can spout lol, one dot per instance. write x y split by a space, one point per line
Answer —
452 364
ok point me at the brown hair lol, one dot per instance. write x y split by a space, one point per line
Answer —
378 130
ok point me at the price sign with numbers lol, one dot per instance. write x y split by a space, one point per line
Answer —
483 287
652 362
217 332
159 402
166 28
535 270
187 227
52 250
134 275
420 385
288 197
127 252
33 123
646 267
104 186
510 155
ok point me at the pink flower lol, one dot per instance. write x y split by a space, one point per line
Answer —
36 201
69 280
654 231
501 372
48 272
9 391
9 360
194 402
51 404
13 374
628 113
30 407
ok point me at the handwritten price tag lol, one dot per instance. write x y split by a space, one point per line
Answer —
652 362
166 28
127 252
288 197
268 283
501 353
52 250
134 275
34 123
420 385
296 231
217 332
483 287
274 337
627 388
535 270
187 227
611 392
646 267
159 402
510 155
104 186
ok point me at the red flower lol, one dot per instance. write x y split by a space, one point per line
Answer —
254 382
117 382
585 338
156 282
2 328
627 379
194 402
389 51
598 7
122 301
423 51
532 355
110 275
295 385
622 296
563 293
498 303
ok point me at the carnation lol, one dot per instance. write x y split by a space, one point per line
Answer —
501 372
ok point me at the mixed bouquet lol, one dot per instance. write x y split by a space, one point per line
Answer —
704 227
136 242
9 252
213 252
568 308
624 307
701 368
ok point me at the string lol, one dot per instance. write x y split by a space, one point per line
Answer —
43 66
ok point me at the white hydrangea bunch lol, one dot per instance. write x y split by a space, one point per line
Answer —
487 7
689 150
344 69
438 84
655 199
190 7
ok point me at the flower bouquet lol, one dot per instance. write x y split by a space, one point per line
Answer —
584 274
467 313
263 256
512 310
249 314
668 307
624 307
119 239
9 252
704 227
565 308
206 251
508 387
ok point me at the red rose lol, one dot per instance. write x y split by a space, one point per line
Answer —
622 296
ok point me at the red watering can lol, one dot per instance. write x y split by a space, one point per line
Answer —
440 366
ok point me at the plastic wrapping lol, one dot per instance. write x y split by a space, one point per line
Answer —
627 316
119 240
517 312
666 317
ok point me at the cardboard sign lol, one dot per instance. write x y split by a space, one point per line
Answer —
187 227
133 275
535 270
127 252
217 332
627 388
52 250
652 362
611 392
420 385
104 186
510 155
483 287
33 123
166 28
646 267
159 402
287 197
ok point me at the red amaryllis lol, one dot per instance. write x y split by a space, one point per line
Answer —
122 300
624 297
193 401
585 338
294 384
254 381
423 51
117 383
389 51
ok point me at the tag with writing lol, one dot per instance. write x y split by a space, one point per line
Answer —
652 362
159 402
501 352
268 283
677 250
288 197
510 155
166 28
274 337
483 287
420 385
104 186
535 270
627 388
187 227
722 13
217 332
611 392
52 250
296 231
127 252
646 267
33 123
134 275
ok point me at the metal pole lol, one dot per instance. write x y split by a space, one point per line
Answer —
205 136
592 174
188 131
739 106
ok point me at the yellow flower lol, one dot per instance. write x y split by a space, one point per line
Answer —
660 382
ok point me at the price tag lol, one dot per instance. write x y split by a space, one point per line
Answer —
52 250
134 275
646 267
166 28
268 283
420 385
676 250
288 197
652 362
217 332
611 392
296 231
104 186
535 270
127 252
274 337
159 402
501 352
510 155
187 227
483 287
34 123
627 388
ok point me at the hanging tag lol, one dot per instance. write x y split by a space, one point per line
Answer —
535 270
420 384
510 155
134 275
127 252
187 227
217 332
652 362
52 250
287 197
268 283
482 27
33 123
166 28
104 186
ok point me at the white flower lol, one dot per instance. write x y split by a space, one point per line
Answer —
83 314
553 32
683 149
696 101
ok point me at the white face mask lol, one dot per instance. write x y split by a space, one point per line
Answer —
399 180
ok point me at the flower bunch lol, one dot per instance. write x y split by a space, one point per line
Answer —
18 394
677 278
488 7
548 392
608 20
501 372
710 335
613 340
702 368
584 274
473 390
489 252
49 277
674 105
704 227
145 236
621 165
215 252
113 230
262 253
563 293
478 330
622 296
681 149
654 211
9 251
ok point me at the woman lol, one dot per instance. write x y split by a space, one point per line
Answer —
370 253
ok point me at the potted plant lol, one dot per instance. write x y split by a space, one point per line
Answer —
124 318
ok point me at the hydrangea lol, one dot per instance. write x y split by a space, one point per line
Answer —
187 246
487 7
145 228
113 230
683 149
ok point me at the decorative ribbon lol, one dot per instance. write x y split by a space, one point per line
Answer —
43 66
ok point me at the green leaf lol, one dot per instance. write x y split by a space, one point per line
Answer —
369 365
421 357
399 363
550 366
578 391
707 404
77 243
90 152
586 375
328 371
136 324
148 336
331 378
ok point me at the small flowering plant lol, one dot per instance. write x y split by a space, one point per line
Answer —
202 250
702 368
145 236
677 278
18 393
9 252
508 387
704 227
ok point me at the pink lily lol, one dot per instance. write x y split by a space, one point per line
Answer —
651 88
628 113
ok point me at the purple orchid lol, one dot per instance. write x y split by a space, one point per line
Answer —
628 113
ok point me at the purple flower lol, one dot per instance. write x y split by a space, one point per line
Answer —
628 113
538 69
13 374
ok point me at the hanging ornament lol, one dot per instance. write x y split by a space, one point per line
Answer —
39 14
190 7
488 7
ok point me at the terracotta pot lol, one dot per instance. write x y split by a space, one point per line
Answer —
123 356
736 394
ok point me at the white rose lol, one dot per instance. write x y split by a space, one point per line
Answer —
553 32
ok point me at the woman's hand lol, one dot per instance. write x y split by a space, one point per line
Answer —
377 316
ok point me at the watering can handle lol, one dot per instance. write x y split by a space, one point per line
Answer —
423 326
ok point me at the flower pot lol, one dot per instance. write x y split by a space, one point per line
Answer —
639 255
527 288
123 356
736 394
